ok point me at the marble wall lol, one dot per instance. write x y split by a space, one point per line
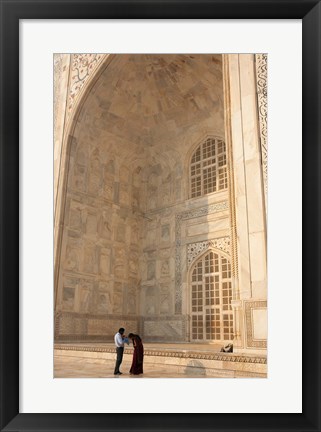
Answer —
248 141
99 273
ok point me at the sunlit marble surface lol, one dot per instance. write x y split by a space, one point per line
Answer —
169 361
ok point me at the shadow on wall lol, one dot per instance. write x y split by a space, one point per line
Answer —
195 367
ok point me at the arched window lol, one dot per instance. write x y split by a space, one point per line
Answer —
208 170
211 292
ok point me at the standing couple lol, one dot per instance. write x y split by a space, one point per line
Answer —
138 355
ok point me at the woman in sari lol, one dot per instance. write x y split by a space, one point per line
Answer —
138 356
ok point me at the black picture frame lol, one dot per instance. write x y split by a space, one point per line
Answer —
11 12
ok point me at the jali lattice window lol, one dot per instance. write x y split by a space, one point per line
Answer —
208 168
211 286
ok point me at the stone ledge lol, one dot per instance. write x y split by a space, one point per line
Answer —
227 357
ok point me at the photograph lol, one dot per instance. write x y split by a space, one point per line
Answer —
160 215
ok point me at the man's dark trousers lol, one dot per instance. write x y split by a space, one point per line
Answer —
119 359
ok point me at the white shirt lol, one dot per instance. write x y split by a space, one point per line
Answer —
119 342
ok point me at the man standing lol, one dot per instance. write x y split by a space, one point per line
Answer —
119 342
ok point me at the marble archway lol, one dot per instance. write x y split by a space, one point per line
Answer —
125 196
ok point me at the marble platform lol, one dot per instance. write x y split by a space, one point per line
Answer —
160 360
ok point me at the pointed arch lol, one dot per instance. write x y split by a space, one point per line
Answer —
208 167
210 298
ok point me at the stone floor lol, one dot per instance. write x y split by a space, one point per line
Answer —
161 361
78 367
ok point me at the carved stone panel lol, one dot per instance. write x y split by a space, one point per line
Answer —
90 263
135 197
151 239
195 249
165 299
72 256
105 327
134 232
165 196
91 224
118 298
151 300
250 306
106 224
121 233
261 77
108 189
82 67
82 155
119 263
66 325
104 264
104 303
124 194
165 268
85 298
79 177
165 233
75 218
133 264
68 298
151 270
131 299
163 328
104 300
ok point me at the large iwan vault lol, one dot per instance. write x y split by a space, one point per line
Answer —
161 215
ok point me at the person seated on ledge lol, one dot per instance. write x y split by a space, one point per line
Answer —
227 348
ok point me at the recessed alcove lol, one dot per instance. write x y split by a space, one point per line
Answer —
129 218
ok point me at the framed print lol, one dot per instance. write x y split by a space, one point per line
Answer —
130 223
175 296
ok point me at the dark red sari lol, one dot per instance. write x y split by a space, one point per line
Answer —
138 356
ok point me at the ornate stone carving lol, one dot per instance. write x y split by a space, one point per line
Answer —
261 81
189 214
82 66
226 357
195 249
251 342
58 58
163 328
94 326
